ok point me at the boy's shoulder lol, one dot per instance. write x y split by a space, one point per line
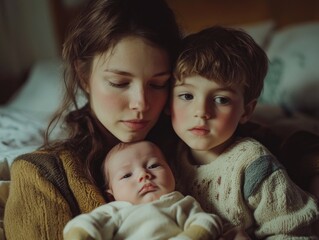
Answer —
260 164
248 147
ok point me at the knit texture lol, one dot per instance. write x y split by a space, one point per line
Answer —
35 208
248 187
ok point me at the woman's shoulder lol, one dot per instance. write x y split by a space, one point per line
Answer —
43 159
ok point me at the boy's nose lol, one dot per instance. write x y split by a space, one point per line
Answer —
202 114
202 109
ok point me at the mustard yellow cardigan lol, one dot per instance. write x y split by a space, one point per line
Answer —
36 208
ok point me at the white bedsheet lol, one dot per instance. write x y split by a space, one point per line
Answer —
20 132
24 119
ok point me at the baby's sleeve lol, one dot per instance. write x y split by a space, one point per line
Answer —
98 224
196 223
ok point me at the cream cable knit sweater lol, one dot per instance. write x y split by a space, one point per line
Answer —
247 186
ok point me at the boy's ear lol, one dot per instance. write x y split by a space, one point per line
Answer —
249 110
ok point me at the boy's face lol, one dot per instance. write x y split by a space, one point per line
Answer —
205 114
139 174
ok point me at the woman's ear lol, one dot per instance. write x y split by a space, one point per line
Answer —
83 82
248 111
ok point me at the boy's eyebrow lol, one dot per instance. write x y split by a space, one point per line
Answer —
124 73
229 89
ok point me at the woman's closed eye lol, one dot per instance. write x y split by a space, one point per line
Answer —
159 85
118 84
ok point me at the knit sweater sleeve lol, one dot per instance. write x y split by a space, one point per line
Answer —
281 209
35 208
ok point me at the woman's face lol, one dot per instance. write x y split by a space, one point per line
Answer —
128 88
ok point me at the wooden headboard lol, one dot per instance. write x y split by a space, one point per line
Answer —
194 15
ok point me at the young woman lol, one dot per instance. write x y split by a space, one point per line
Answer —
119 54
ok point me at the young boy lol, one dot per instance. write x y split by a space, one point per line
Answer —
146 206
218 78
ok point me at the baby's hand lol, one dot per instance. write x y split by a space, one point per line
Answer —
77 234
236 233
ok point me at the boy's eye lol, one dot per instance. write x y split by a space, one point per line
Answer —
186 96
221 100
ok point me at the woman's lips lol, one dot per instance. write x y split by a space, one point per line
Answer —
135 124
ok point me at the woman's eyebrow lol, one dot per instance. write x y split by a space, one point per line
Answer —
125 73
118 72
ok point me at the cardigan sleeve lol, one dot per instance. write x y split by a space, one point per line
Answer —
281 209
35 209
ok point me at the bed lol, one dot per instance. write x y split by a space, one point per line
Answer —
287 30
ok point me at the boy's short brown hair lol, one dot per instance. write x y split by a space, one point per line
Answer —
227 55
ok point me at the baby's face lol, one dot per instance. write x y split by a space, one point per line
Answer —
139 174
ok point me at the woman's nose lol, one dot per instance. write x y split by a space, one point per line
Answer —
139 100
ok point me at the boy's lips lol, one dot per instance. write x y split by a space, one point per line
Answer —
199 131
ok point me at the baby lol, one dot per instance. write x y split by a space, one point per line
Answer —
146 206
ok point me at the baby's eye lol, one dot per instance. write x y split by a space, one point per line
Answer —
127 175
154 165
186 96
221 100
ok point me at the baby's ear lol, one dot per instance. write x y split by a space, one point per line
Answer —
109 195
249 110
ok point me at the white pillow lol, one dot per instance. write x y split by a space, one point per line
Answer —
293 76
42 92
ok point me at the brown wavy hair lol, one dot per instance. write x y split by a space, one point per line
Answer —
101 25
226 55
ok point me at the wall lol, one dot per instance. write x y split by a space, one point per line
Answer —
26 36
